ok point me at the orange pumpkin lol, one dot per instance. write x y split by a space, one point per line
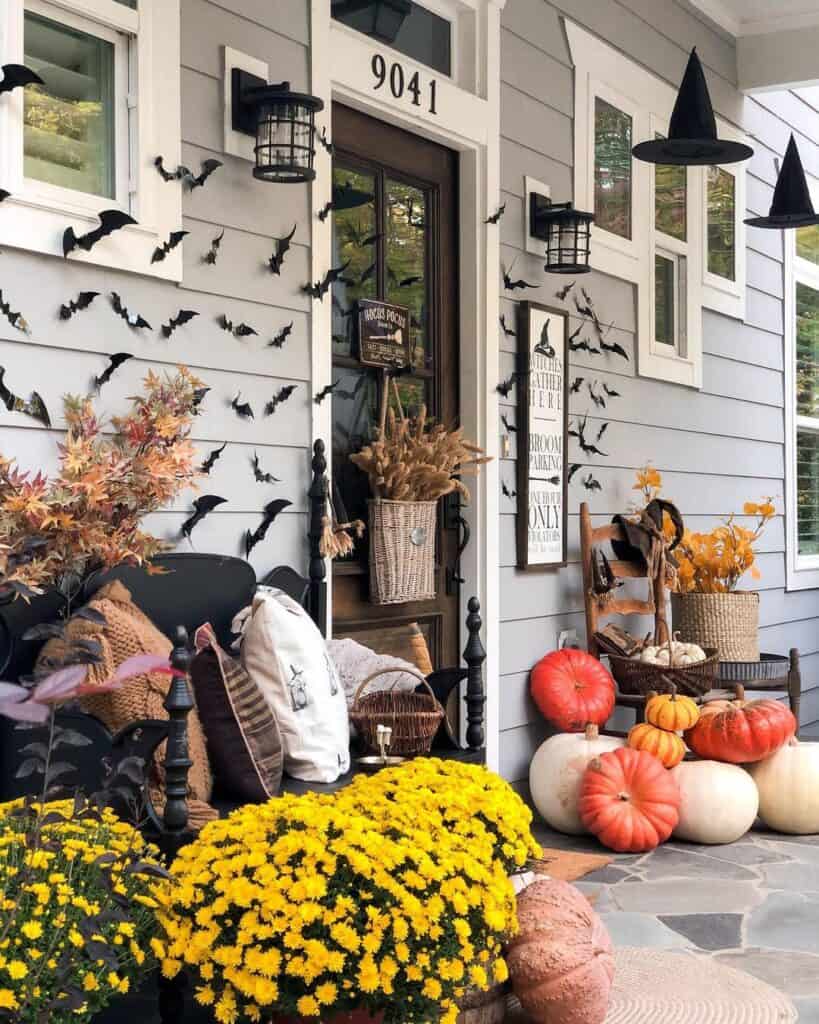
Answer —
671 711
572 689
665 746
740 731
629 801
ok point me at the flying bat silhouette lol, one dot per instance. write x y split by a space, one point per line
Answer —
511 285
198 180
114 363
610 391
591 484
564 291
33 406
242 409
162 251
132 319
184 316
281 396
496 216
260 475
279 339
325 211
282 246
15 319
203 506
572 470
210 461
584 346
110 221
16 76
505 386
199 396
271 510
506 491
510 427
4 195
83 301
408 282
585 446
325 142
328 389
166 175
598 400
237 330
614 347
603 428
543 347
320 288
506 330
213 253
575 388
368 273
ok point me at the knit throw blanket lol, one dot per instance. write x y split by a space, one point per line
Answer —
128 631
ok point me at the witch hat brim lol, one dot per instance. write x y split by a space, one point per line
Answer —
692 132
791 206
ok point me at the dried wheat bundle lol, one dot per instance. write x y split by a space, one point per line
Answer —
414 460
338 539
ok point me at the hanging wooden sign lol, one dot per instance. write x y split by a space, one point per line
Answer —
383 334
543 400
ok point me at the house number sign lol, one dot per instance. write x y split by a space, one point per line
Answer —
404 84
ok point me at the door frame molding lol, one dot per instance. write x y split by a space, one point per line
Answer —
468 121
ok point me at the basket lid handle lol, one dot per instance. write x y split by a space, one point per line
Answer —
395 670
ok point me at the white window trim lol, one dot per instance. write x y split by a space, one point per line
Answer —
600 70
36 215
801 572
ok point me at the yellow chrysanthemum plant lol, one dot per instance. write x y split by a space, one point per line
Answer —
391 895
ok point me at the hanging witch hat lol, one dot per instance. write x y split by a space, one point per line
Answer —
692 134
791 206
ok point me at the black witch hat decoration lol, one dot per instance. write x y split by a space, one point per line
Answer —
791 206
692 133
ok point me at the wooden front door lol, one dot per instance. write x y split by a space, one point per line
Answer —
395 221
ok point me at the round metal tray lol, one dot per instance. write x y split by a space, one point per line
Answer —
770 667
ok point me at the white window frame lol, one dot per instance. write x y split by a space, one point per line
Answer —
600 70
149 82
802 571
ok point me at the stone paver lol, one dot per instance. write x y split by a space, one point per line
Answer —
676 863
794 876
794 973
808 1010
708 931
642 930
684 896
785 920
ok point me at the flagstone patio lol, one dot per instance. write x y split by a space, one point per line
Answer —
753 905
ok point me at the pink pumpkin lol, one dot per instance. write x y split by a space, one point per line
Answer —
561 961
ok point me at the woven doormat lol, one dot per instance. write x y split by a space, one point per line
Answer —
665 987
569 866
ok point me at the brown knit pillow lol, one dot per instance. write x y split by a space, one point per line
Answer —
128 631
242 732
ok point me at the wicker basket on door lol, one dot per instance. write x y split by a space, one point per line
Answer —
729 622
402 550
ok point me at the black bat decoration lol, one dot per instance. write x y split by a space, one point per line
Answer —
610 391
359 384
544 347
4 195
166 175
110 221
591 484
132 319
328 389
276 261
496 216
17 76
564 291
509 333
210 461
279 339
15 319
598 400
585 446
212 254
511 285
203 506
242 409
614 347
325 211
505 386
34 406
325 142
510 427
242 330
572 470
198 180
573 335
603 428
575 388
83 301
271 510
320 288
584 346
260 475
184 316
368 273
114 363
506 491
161 251
408 282
281 396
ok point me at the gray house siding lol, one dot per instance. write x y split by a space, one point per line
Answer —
717 447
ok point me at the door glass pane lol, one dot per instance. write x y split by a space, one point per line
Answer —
807 492
807 243
406 259
355 242
721 223
670 201
612 168
128 3
807 351
355 413
664 300
68 137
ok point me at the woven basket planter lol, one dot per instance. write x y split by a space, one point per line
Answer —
728 622
402 551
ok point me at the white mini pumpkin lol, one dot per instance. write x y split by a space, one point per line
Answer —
557 770
788 784
680 654
718 802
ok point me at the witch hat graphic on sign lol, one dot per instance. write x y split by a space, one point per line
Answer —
791 206
692 132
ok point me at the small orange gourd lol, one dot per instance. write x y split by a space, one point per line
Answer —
671 712
667 747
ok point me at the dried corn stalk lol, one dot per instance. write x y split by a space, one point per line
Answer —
338 539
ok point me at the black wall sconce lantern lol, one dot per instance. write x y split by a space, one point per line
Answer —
566 232
283 122
384 18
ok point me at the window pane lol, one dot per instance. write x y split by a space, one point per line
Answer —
807 351
69 121
354 243
406 271
421 34
807 492
670 200
721 226
612 169
807 243
664 300
128 3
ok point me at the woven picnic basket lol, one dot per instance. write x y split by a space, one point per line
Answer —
402 550
413 717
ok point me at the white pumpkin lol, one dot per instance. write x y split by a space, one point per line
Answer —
557 770
788 784
680 654
718 802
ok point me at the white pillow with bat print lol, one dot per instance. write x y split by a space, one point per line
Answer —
286 657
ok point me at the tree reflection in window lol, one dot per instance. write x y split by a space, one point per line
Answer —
807 243
670 200
406 283
612 168
721 223
807 491
355 243
807 351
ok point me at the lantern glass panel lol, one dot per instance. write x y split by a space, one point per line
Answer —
284 142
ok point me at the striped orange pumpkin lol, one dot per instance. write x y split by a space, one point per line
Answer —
667 747
671 711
